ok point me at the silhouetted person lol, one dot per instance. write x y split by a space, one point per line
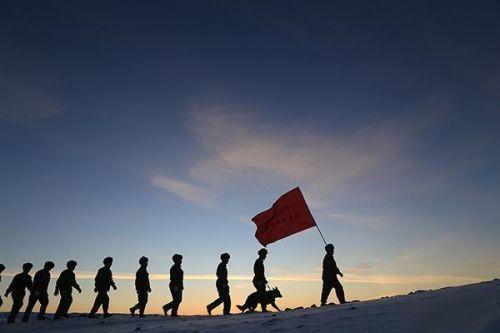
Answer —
176 286
222 285
64 286
103 282
142 286
39 292
330 279
2 268
18 287
259 279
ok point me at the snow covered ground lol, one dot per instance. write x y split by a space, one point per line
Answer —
470 308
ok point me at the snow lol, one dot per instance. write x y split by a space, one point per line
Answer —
470 308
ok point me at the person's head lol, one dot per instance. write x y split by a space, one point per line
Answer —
27 267
329 248
143 261
71 265
49 265
108 261
2 268
262 253
177 259
225 257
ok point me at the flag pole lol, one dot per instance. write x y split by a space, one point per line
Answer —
320 233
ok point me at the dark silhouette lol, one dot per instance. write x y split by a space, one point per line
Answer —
176 286
2 268
64 286
222 285
255 298
259 279
18 289
142 286
39 292
103 282
330 279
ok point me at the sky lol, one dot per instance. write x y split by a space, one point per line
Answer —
131 128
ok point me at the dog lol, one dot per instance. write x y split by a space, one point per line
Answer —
254 299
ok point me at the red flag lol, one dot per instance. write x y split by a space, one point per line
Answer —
288 215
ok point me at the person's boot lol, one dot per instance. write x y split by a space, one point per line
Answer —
132 311
107 315
165 310
41 317
209 310
142 315
92 315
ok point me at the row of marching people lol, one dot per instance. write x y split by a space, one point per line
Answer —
66 282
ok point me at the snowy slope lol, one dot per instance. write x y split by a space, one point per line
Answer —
471 308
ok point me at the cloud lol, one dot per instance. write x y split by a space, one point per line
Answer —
21 102
184 190
241 146
377 279
243 149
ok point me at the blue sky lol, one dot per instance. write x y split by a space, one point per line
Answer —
132 129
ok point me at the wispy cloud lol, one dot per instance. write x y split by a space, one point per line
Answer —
243 148
21 102
184 190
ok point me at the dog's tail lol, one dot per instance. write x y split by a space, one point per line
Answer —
240 307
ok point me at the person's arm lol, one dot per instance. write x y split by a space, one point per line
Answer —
29 284
148 284
112 282
75 285
56 290
9 289
337 270
97 280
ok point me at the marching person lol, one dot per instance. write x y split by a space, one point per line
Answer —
142 286
222 285
2 268
39 292
176 286
259 279
103 283
330 279
17 287
64 286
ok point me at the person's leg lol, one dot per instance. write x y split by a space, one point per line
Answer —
97 304
31 304
60 307
170 305
68 302
143 300
44 302
261 289
17 303
105 302
177 301
339 290
226 297
325 292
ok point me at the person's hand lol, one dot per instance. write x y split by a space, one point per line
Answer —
56 293
79 291
95 290
114 287
149 290
6 295
341 275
